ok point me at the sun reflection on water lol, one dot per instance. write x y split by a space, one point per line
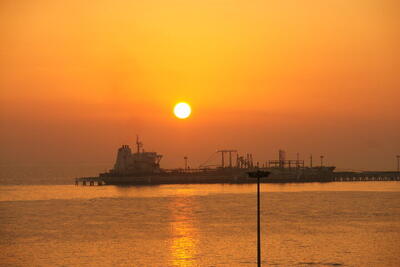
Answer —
183 230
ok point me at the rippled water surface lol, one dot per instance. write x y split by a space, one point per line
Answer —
335 224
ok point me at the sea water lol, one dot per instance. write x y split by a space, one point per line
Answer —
332 224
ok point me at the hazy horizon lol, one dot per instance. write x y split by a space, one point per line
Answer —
78 80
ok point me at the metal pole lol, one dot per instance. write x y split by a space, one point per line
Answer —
258 174
258 225
398 163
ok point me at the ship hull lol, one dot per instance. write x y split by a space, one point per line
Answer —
155 181
227 176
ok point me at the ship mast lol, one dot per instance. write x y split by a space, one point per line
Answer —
139 144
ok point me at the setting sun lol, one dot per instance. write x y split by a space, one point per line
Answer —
182 110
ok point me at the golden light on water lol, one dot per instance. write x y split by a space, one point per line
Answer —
182 110
183 245
184 233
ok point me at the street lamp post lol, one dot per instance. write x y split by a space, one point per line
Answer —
186 162
398 163
258 174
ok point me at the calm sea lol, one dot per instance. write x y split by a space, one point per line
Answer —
335 224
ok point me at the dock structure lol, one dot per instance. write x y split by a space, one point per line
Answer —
365 176
91 181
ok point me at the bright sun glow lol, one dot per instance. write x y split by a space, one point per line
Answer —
182 110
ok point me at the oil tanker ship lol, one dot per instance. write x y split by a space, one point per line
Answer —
141 168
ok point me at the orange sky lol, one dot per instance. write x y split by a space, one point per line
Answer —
79 78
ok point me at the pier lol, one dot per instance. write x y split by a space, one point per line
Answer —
365 176
90 181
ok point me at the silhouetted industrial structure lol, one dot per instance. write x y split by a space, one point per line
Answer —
143 167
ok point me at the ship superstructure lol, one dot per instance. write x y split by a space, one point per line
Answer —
141 162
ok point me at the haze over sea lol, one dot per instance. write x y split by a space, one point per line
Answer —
333 224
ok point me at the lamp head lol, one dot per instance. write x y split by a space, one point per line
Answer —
258 174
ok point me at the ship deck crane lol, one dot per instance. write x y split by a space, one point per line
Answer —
229 151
